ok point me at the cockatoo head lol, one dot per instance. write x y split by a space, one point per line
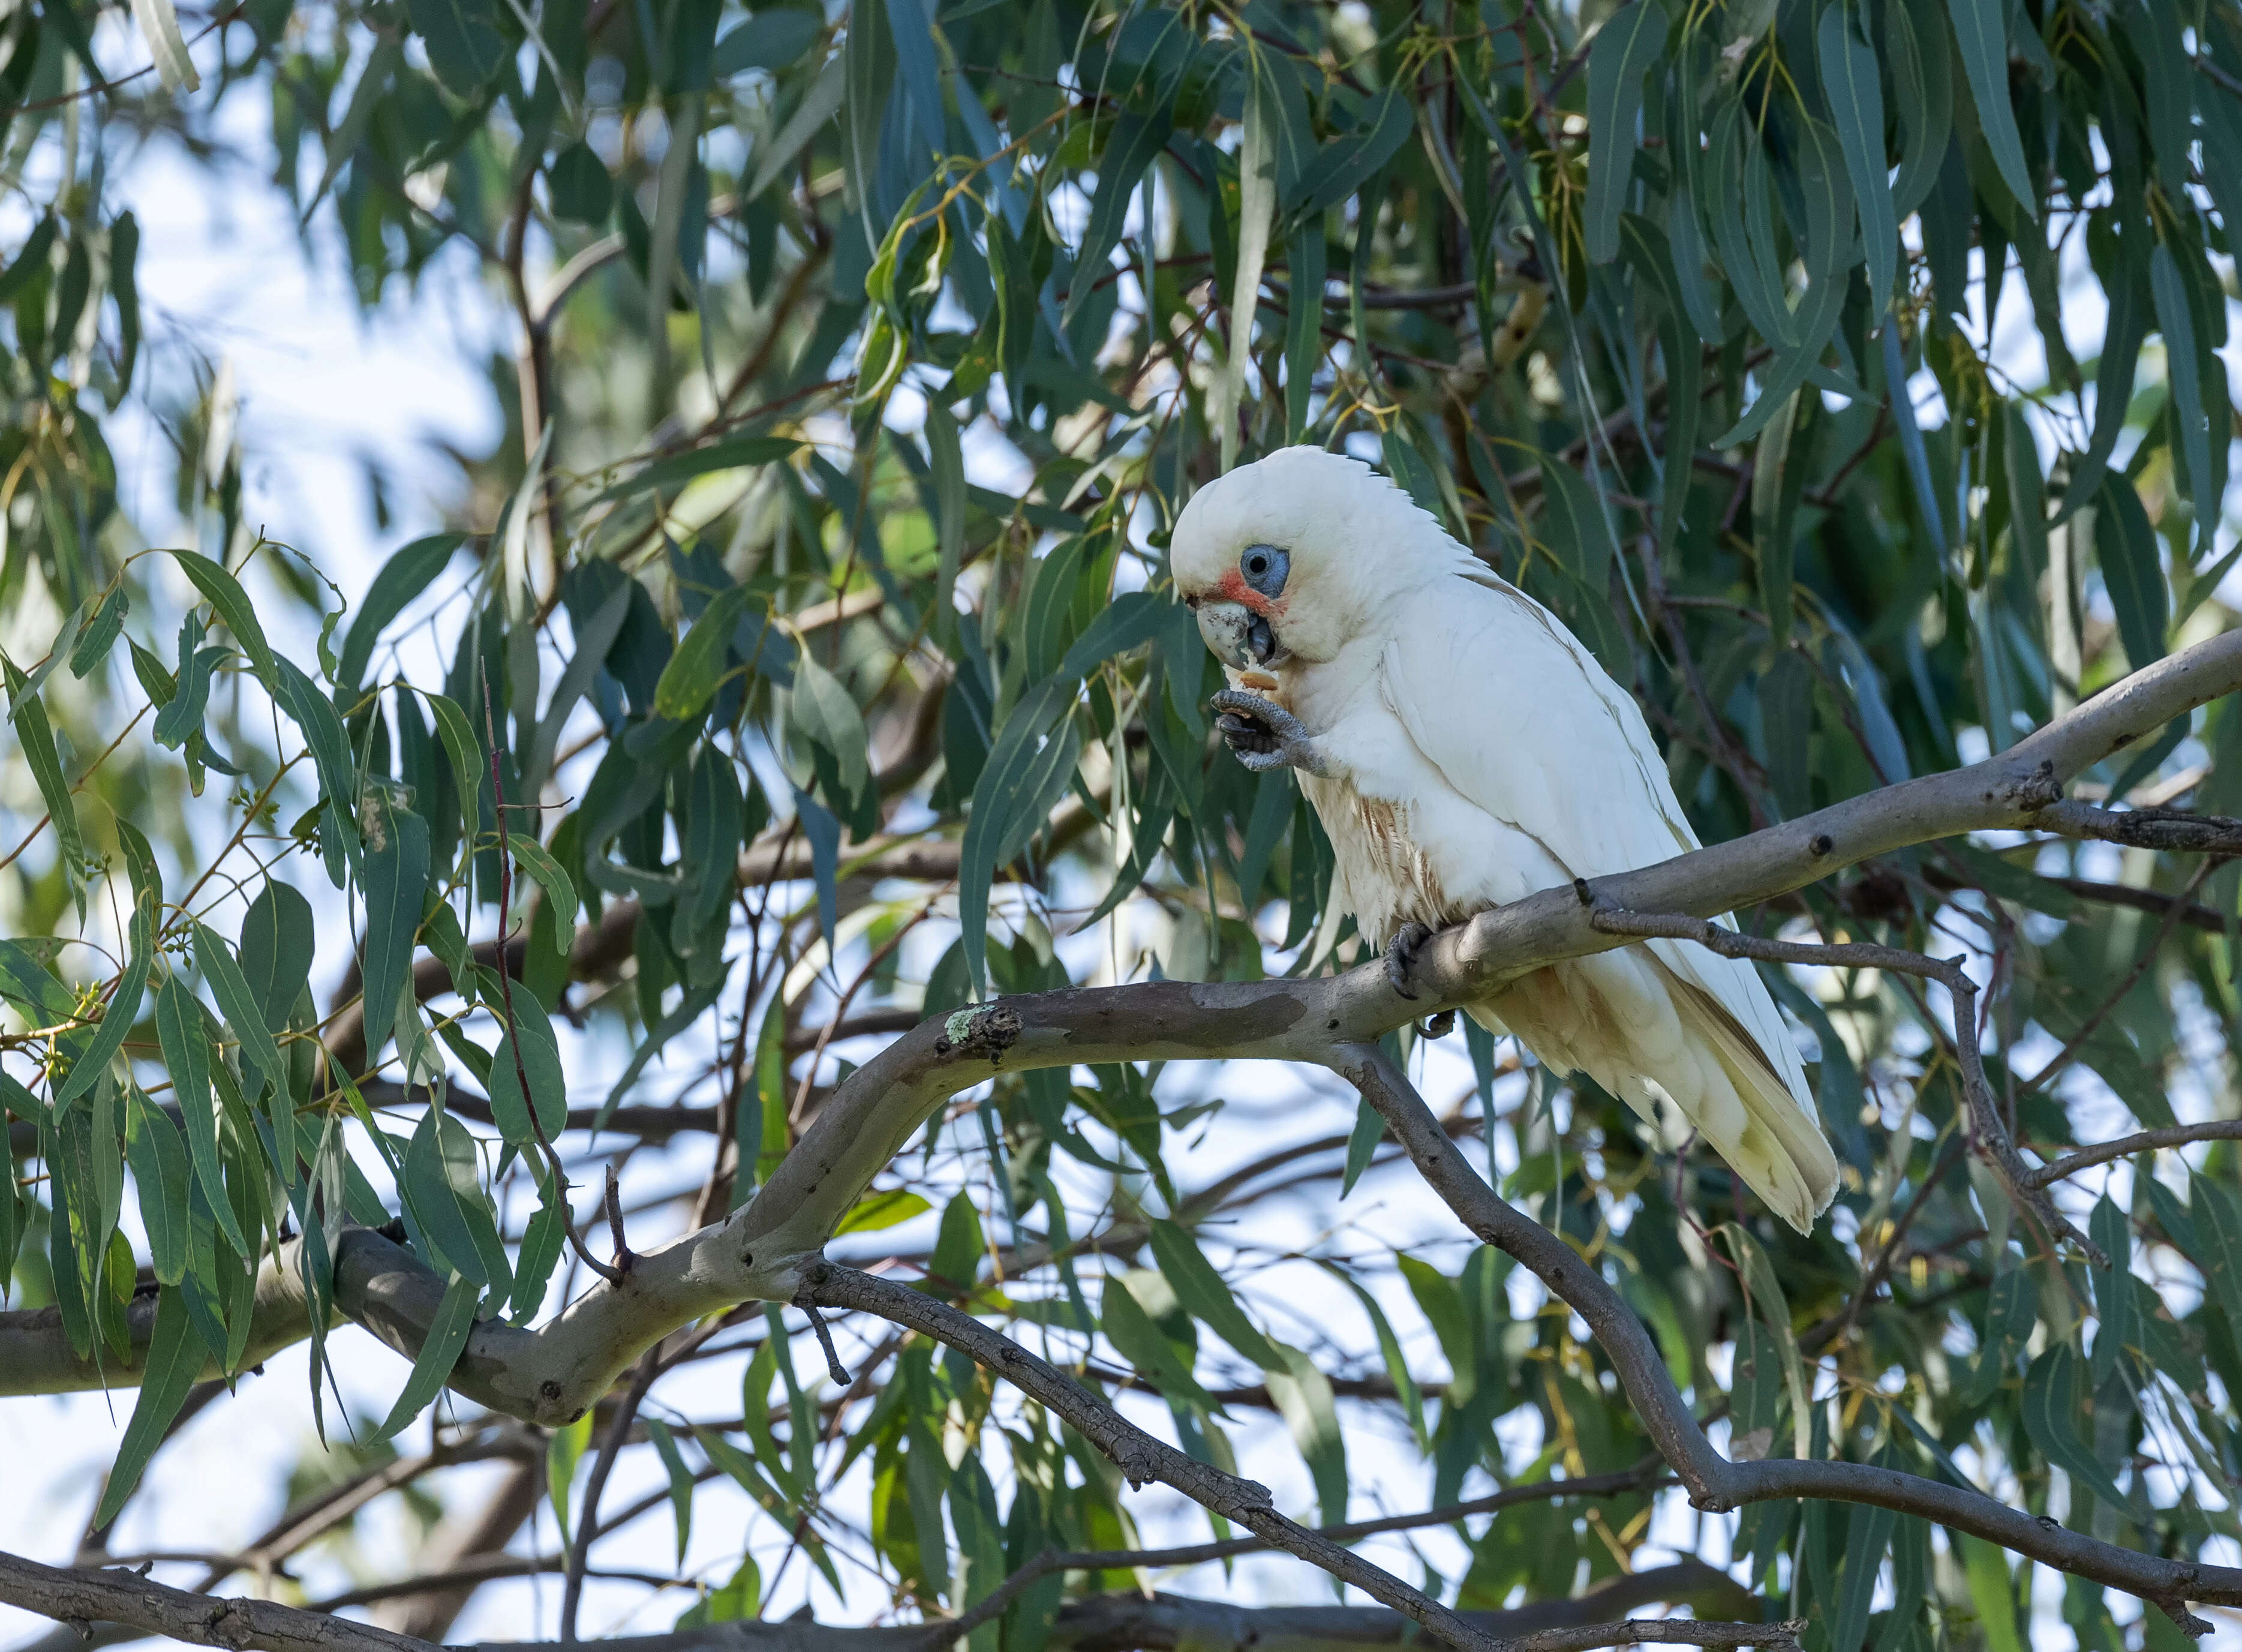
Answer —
1289 558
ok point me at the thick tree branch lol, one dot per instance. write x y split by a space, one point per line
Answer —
72 1596
36 1355
1158 1623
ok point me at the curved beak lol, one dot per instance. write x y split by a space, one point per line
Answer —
1239 637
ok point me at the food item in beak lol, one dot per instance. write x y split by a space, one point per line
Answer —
1259 682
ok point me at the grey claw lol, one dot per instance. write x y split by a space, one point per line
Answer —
1400 952
1441 1025
1263 735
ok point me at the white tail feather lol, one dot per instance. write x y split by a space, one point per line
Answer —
1777 1146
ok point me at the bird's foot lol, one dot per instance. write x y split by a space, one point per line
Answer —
1439 1026
1401 952
1263 735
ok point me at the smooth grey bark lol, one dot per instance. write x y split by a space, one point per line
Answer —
1158 1623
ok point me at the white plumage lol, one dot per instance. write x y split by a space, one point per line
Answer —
1469 751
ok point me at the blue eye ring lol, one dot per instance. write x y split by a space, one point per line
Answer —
1266 567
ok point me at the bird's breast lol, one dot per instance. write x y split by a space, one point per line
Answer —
1383 874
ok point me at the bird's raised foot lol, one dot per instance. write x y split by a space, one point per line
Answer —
1262 734
1401 952
1439 1026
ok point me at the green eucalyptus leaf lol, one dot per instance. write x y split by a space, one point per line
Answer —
1629 45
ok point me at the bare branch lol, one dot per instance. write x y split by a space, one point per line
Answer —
2126 1146
36 1355
1661 1632
611 1444
2172 830
86 1597
1161 1622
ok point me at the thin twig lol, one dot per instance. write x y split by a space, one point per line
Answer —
623 1257
2171 830
611 1444
833 1368
1714 1484
2144 1141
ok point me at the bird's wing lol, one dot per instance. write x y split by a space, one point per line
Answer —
1520 719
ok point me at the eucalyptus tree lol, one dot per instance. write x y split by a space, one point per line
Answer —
798 713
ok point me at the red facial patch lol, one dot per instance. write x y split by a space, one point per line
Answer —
1235 588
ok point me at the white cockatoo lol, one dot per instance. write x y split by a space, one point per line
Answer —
1463 751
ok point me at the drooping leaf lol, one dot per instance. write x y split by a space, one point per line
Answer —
124 1006
680 1481
2217 1213
277 940
549 876
582 190
526 1050
447 1339
884 1209
1143 1344
465 46
1204 1294
331 753
2183 370
396 887
1136 141
1856 105
1980 30
99 634
174 1360
827 715
230 604
771 39
444 1193
244 1015
403 577
2052 1417
1361 1143
1303 1395
1026 773
2132 571
1343 167
737 453
690 679
564 1453
1624 48
35 737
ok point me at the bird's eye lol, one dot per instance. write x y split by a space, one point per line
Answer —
1266 567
